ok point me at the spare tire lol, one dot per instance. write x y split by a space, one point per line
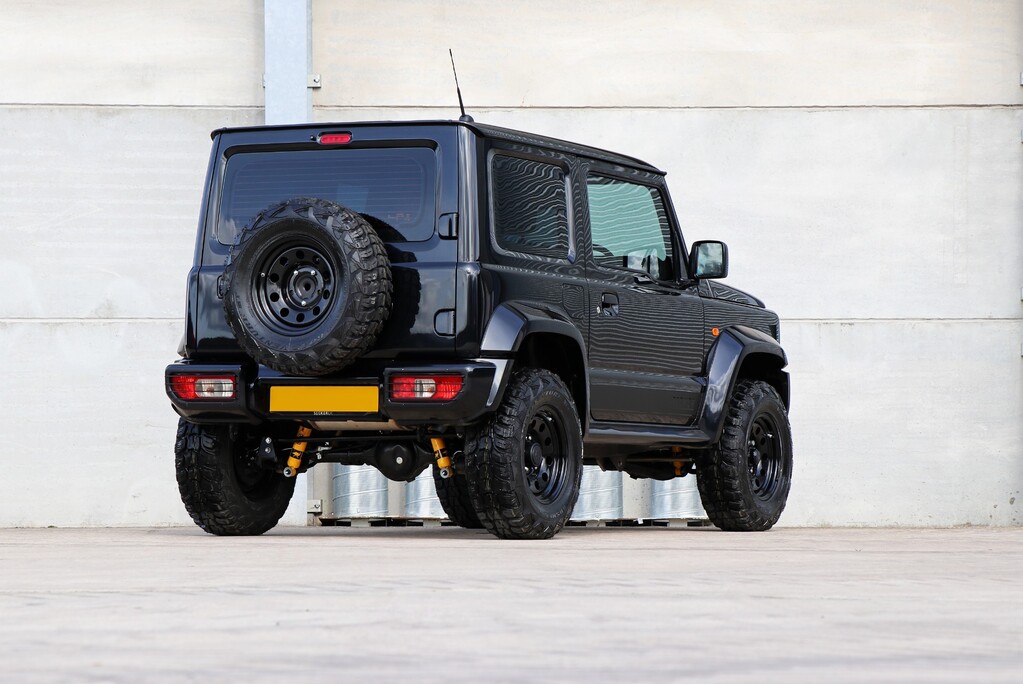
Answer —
307 287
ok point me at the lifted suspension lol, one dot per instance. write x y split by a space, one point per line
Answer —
440 453
297 452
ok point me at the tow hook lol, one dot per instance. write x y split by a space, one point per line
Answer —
297 451
440 453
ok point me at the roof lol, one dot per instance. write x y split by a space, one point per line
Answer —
487 130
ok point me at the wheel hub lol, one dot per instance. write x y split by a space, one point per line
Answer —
305 288
545 464
295 287
764 457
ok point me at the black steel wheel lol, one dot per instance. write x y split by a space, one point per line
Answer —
765 457
524 464
226 491
744 481
307 287
294 287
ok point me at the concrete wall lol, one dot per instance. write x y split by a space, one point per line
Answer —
105 113
862 160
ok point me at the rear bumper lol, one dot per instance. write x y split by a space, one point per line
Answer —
481 392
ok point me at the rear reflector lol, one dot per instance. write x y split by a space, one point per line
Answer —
335 138
428 387
199 387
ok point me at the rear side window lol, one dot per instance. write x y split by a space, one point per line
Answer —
629 227
530 207
394 189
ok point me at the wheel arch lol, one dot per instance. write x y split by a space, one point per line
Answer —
740 352
540 338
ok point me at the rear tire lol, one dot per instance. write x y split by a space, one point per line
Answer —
223 489
453 493
525 463
744 482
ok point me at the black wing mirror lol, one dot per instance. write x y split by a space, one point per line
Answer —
708 259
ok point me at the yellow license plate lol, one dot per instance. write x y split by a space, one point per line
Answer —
324 399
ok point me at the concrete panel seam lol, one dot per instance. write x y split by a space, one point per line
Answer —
126 105
645 108
900 319
71 321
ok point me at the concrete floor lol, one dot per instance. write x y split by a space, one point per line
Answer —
445 604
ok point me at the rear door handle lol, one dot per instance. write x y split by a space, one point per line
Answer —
608 304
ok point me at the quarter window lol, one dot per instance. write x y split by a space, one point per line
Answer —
530 207
629 227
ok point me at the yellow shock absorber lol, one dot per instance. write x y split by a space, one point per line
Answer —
297 451
678 464
440 452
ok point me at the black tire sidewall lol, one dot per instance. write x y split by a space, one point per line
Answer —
769 509
557 511
723 476
496 457
211 490
350 320
244 310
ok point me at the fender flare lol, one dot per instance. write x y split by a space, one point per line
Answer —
725 359
509 326
513 321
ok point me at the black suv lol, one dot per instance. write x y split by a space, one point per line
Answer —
500 306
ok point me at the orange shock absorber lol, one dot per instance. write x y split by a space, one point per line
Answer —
297 451
440 452
677 451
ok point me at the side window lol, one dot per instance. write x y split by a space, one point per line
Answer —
629 227
530 207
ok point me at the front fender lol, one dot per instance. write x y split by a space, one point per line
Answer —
733 347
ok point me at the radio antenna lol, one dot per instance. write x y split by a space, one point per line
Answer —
464 117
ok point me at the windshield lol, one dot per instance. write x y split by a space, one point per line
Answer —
394 188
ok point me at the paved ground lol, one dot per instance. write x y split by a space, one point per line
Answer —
443 604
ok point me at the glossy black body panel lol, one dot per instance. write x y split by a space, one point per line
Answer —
422 274
654 360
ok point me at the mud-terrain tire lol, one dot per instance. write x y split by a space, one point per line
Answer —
307 287
223 490
744 482
453 493
524 464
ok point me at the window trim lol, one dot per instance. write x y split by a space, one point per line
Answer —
572 253
679 270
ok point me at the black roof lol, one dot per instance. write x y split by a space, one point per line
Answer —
487 130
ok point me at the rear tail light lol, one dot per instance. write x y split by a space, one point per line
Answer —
199 387
425 387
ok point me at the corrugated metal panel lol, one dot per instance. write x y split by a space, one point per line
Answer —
600 496
359 492
676 498
421 498
362 492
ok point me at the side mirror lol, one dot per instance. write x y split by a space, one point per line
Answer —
708 259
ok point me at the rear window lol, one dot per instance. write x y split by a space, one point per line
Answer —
530 207
394 188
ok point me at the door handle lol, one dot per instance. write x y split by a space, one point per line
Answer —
608 304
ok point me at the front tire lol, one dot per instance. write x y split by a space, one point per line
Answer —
525 463
744 481
224 490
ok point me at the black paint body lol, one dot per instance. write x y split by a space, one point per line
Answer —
650 363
